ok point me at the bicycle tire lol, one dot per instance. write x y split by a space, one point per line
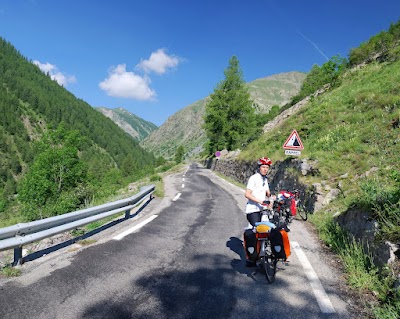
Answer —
269 264
302 211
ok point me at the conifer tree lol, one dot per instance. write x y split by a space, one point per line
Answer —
230 120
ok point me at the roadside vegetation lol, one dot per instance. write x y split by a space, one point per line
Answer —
230 121
9 271
82 234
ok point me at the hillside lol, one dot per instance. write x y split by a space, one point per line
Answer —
185 127
135 126
182 128
80 143
273 90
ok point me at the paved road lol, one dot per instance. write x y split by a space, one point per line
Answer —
186 261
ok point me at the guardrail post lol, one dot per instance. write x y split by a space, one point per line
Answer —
17 256
127 214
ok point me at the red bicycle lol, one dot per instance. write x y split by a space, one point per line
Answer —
290 204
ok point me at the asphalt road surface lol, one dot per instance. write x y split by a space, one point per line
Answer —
180 257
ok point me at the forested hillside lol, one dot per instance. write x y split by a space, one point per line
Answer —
34 109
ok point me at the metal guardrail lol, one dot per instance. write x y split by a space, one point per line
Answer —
24 233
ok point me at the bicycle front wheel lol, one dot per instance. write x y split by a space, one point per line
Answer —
301 210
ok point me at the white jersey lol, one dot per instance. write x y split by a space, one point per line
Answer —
258 185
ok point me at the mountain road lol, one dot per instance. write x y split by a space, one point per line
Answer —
182 257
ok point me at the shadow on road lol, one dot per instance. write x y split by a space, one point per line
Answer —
203 292
207 287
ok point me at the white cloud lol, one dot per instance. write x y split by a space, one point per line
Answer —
121 83
55 74
45 67
159 62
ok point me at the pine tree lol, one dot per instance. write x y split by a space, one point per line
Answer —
230 120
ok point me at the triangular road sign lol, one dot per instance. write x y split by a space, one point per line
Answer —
293 142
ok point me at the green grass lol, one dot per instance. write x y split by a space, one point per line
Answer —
345 130
361 274
351 119
9 271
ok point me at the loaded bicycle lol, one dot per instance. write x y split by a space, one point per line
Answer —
269 232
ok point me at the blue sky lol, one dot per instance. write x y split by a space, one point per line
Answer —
155 57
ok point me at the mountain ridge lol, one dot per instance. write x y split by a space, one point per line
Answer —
134 125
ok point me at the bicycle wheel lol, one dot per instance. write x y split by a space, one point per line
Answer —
302 211
269 263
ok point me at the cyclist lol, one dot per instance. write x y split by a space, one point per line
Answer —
257 191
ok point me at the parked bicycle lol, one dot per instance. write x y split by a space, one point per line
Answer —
291 205
301 209
284 206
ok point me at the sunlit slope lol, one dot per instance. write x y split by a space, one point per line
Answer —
135 126
347 130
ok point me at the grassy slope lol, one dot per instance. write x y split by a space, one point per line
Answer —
275 90
346 130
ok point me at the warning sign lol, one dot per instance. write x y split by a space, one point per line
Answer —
293 142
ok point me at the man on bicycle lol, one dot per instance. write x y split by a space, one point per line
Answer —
257 191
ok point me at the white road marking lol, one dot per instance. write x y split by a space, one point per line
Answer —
176 197
135 228
323 300
183 185
183 179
